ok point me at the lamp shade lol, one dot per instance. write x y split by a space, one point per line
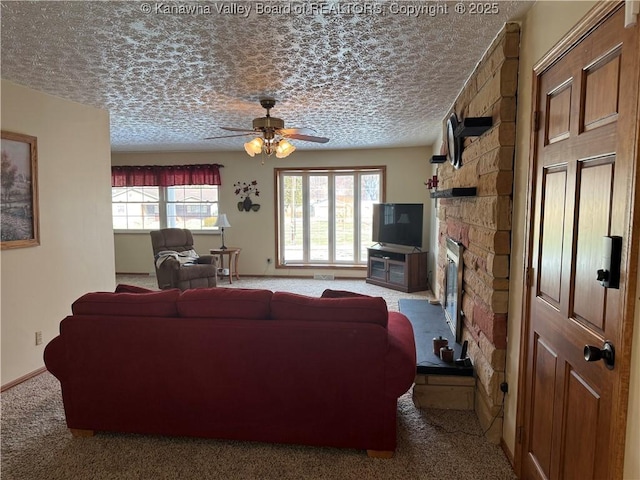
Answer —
284 149
222 221
254 146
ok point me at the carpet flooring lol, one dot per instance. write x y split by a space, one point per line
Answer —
432 444
36 445
303 286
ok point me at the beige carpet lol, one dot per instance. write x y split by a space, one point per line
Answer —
432 444
304 286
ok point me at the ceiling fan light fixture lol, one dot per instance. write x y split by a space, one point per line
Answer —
254 146
271 135
284 149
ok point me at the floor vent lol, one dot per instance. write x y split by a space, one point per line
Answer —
323 276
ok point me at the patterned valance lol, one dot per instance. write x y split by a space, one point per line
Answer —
165 175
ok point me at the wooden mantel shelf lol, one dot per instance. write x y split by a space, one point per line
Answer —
455 192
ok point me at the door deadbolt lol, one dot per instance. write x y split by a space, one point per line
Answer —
606 353
609 274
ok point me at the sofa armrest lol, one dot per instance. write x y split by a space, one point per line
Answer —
401 356
207 259
170 264
54 358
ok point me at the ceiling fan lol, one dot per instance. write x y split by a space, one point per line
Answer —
271 136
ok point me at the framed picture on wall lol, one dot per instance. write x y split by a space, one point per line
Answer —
19 191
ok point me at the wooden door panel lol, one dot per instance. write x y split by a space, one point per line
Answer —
594 208
580 428
600 100
545 363
552 221
568 336
558 113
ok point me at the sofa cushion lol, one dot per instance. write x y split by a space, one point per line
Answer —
291 306
328 293
124 288
153 304
245 303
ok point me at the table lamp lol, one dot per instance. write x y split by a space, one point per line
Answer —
222 222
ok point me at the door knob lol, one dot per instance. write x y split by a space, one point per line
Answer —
606 353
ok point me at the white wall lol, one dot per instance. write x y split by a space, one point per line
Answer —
75 255
254 232
544 26
434 222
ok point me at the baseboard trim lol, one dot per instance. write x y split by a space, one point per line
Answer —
507 453
303 277
23 378
308 276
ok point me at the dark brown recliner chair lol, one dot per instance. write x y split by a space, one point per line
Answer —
170 271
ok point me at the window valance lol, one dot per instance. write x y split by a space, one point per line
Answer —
165 175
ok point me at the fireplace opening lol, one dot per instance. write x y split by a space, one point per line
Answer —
453 288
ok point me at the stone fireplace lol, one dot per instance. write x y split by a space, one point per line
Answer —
481 225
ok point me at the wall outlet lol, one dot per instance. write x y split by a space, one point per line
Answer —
38 338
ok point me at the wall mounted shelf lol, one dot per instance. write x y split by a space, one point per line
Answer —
455 192
438 159
473 126
458 130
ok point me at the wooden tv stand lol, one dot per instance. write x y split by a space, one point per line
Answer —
397 268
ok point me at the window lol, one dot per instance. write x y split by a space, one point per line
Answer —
149 208
191 206
135 208
324 215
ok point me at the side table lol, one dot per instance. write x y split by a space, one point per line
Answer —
234 254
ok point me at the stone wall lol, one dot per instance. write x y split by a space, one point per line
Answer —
483 223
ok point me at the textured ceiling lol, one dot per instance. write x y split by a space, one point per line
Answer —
364 74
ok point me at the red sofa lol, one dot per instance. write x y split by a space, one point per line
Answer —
235 364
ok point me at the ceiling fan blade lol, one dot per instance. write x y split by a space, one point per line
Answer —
232 129
230 136
307 138
291 131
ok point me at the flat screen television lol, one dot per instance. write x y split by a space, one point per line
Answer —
398 223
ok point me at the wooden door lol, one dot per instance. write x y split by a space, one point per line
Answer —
585 147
